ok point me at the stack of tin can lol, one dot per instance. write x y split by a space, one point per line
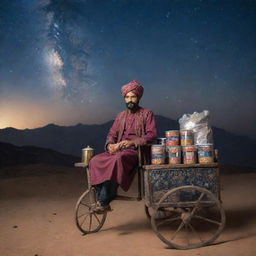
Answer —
178 147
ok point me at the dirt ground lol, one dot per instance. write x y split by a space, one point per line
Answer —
37 219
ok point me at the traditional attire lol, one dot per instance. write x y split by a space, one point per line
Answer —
119 167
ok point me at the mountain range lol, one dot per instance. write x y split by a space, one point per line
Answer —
20 155
233 149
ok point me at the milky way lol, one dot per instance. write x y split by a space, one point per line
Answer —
70 58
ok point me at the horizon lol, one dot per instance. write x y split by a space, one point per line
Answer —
99 124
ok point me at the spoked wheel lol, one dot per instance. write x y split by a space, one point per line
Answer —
195 218
86 219
161 213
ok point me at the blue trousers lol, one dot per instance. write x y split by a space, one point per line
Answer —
106 192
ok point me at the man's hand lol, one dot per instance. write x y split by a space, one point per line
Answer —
113 148
126 144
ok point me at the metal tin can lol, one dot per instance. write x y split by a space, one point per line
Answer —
205 153
186 137
87 154
174 154
189 154
172 138
157 154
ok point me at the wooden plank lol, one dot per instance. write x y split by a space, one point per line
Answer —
81 165
169 166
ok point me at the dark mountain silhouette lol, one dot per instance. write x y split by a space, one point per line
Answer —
15 155
233 149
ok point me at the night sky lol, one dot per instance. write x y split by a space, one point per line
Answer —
64 61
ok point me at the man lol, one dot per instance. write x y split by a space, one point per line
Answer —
131 128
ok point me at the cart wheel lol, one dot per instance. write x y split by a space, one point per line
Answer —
196 218
161 213
86 219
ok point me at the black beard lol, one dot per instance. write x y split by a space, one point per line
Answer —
132 105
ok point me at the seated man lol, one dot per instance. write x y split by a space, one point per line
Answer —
131 128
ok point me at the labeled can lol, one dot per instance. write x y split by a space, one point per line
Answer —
87 154
186 137
172 137
174 154
158 154
189 154
161 141
205 153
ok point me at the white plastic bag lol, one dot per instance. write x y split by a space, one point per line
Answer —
199 124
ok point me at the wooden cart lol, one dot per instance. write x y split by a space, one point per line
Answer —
182 202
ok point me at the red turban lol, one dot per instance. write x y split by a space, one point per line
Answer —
134 87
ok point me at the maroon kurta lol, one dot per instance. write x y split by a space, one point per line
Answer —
120 166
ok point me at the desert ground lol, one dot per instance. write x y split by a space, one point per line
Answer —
37 218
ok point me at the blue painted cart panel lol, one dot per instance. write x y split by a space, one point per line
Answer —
158 182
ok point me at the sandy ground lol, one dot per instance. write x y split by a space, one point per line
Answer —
37 219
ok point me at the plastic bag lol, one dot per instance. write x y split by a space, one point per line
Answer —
199 124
